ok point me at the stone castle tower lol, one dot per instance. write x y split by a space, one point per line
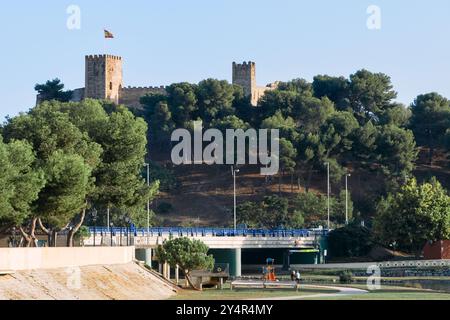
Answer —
104 78
104 81
244 75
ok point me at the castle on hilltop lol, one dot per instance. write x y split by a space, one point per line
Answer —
104 80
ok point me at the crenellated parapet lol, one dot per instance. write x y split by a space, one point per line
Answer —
129 88
102 57
131 96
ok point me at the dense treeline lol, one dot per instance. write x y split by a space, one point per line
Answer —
61 159
354 124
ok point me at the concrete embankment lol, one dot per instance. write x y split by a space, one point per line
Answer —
78 274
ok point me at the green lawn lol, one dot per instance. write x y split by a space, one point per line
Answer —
386 293
227 294
394 293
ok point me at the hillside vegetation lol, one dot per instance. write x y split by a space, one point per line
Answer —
354 124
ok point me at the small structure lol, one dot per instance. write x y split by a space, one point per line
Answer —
217 277
439 250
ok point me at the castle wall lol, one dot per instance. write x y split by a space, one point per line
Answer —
78 95
104 81
258 93
131 96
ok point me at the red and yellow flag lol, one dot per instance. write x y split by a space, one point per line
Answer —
108 35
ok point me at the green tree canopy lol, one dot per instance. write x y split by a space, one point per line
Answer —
337 89
273 212
430 120
418 213
67 186
371 94
215 99
350 241
118 177
314 208
53 90
396 152
55 139
189 255
19 183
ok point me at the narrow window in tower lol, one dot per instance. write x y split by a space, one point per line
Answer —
110 86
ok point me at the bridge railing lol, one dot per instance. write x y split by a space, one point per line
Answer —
209 232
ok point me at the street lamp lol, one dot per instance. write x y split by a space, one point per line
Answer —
13 242
148 201
111 230
328 192
128 223
108 217
348 175
94 218
234 173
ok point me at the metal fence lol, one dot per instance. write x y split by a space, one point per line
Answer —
208 232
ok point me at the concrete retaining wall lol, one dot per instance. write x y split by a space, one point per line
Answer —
16 259
224 242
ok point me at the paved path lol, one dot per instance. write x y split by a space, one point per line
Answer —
342 292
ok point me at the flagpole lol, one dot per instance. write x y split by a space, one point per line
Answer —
105 45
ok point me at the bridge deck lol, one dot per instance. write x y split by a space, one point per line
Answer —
213 238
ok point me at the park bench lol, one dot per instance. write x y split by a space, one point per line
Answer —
281 285
248 284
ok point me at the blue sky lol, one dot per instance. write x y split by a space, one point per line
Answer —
172 40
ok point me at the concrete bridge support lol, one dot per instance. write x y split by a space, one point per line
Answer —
177 275
145 255
238 263
232 257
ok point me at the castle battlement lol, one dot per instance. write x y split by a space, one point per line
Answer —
145 88
244 64
102 57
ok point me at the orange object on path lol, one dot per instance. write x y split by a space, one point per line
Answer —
270 270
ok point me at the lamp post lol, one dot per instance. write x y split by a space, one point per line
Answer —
234 173
94 218
348 175
111 233
13 242
108 218
328 193
148 201
128 222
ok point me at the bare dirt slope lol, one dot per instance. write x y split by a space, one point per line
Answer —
118 282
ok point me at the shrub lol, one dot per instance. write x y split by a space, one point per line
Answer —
350 241
345 277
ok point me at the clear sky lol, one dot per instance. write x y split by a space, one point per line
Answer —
177 40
